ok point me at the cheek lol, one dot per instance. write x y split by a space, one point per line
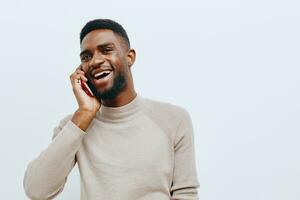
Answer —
120 63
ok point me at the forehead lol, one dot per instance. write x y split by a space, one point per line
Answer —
99 37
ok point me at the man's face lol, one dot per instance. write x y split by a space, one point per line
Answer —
104 61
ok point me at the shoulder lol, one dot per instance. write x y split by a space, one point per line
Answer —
166 109
168 117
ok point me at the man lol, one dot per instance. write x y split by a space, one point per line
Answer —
127 147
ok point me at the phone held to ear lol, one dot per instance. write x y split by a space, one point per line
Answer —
86 88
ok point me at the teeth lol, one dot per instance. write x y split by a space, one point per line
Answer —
101 73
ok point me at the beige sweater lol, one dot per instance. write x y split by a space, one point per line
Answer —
140 151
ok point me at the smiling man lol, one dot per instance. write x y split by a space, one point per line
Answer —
127 147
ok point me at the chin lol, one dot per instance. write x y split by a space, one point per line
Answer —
112 89
112 92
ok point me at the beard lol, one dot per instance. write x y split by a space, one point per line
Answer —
111 93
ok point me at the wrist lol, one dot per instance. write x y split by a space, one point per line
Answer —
82 118
87 112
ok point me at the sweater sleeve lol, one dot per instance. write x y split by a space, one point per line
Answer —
185 183
46 176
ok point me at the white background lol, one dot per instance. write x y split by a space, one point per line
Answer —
234 65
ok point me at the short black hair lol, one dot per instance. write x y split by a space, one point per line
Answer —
104 24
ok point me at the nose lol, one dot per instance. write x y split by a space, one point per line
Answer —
97 60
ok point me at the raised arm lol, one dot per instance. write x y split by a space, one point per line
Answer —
46 176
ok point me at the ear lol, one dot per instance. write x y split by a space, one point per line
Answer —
131 57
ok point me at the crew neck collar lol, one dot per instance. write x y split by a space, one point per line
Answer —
121 113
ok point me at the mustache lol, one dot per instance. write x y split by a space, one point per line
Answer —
90 69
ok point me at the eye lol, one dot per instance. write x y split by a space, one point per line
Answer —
85 58
107 50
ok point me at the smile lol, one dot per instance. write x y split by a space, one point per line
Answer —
102 74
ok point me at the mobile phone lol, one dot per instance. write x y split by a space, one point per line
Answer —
86 88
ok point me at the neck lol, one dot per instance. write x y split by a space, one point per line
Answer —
123 98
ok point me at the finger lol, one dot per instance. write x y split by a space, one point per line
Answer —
79 67
79 72
76 73
76 77
82 77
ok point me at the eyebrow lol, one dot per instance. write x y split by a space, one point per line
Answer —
98 46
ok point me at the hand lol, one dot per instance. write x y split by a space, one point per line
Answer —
85 102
